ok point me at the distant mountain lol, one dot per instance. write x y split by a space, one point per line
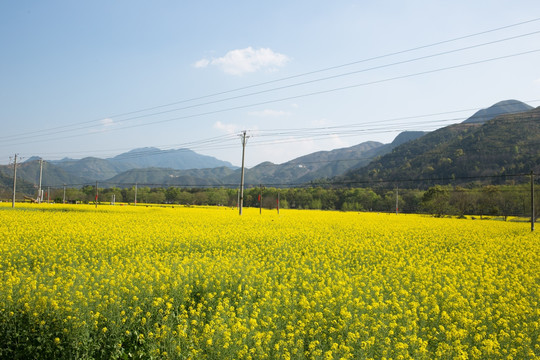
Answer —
164 167
174 159
6 185
28 176
92 168
321 164
500 108
302 169
483 144
173 177
508 144
318 165
402 138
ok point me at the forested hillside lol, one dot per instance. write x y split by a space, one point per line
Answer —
458 154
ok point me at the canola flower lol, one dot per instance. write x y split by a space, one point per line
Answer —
204 283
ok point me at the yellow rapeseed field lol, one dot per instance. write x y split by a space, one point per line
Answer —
123 282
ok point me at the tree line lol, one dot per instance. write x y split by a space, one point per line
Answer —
438 200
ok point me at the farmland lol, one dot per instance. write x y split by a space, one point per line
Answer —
78 282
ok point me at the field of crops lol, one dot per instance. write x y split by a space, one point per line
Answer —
78 282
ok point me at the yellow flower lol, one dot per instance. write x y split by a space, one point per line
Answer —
308 284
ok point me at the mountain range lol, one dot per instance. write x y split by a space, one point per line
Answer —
499 139
498 148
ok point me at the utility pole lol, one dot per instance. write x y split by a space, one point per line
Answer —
135 194
532 201
48 194
40 196
14 179
96 194
64 198
244 141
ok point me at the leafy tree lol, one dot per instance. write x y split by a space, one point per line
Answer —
106 195
155 196
462 200
410 200
489 200
217 196
436 200
172 194
200 198
387 202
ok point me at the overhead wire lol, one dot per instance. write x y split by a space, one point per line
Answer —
313 93
382 126
143 170
216 142
65 128
312 183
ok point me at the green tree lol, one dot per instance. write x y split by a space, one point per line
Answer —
185 197
410 200
462 200
490 200
436 200
172 194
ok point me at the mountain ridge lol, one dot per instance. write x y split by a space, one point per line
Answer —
411 153
505 145
497 109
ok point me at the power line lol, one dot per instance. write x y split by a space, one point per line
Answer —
318 92
312 183
296 162
319 133
66 128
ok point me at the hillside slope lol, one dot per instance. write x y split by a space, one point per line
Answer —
506 145
500 108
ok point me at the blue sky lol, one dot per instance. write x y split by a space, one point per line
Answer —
103 77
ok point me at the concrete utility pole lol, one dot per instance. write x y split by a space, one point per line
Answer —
532 201
40 196
244 141
135 194
14 179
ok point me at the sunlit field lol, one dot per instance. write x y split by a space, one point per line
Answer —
127 282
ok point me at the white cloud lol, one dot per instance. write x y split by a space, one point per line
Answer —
202 63
248 60
107 122
228 128
269 113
